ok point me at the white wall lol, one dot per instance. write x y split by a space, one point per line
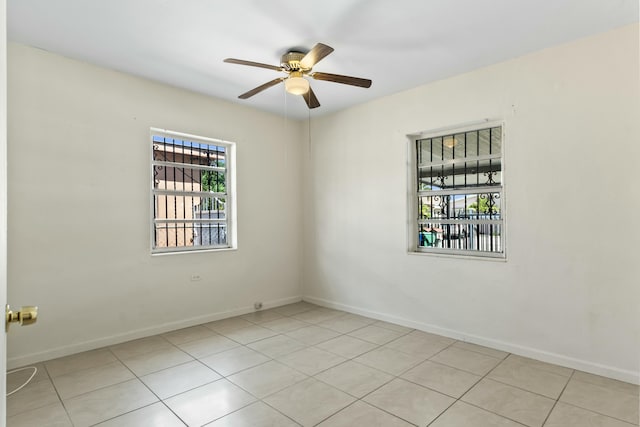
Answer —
569 290
79 232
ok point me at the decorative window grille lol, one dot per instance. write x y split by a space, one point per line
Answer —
459 197
191 194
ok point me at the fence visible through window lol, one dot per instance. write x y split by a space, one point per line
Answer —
459 193
190 194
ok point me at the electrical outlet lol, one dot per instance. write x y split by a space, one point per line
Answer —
257 305
195 277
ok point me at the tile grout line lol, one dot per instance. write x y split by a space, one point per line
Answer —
57 393
142 382
485 376
393 377
319 324
524 389
459 399
160 400
272 359
558 399
378 346
597 413
278 411
340 334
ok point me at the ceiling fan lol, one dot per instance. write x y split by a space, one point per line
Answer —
298 65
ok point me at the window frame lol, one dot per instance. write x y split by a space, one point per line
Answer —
413 222
230 193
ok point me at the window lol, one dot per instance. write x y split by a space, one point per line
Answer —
457 201
192 192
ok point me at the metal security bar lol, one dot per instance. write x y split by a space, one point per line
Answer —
190 194
459 193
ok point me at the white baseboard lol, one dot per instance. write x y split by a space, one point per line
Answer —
544 356
66 350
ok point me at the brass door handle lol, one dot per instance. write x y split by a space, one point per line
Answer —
26 316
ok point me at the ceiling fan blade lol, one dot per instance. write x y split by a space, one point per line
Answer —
310 99
252 64
315 55
337 78
261 88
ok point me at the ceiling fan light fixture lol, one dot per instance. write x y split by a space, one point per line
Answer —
298 66
296 84
450 142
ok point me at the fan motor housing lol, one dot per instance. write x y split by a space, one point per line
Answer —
291 61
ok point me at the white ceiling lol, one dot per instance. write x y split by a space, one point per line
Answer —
398 44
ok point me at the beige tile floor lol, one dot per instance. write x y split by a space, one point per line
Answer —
306 365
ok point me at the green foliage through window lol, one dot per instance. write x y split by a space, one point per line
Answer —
483 208
212 181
